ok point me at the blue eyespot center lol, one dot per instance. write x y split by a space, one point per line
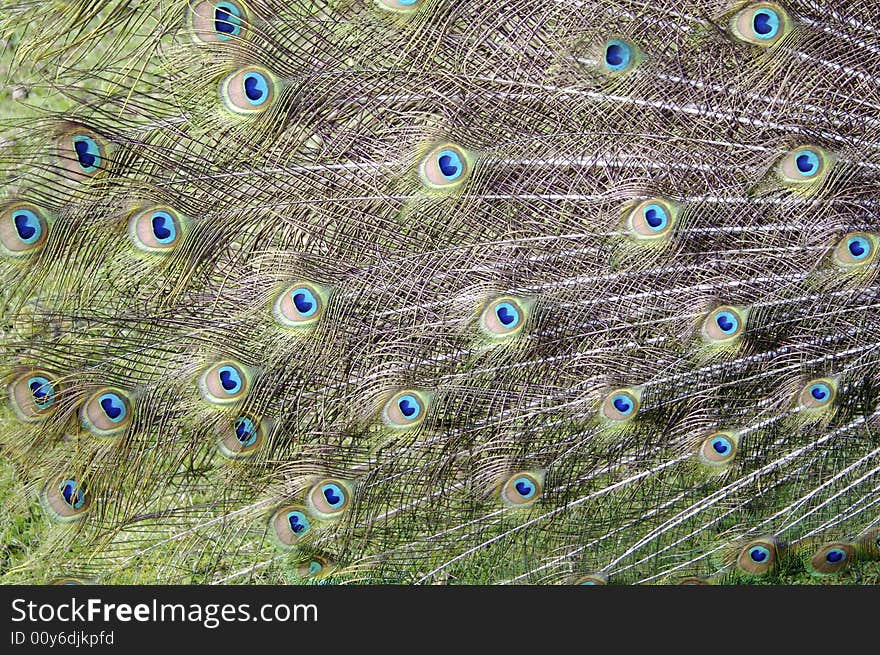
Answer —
759 554
72 494
409 406
507 315
835 556
656 217
256 88
618 54
88 154
245 431
807 163
858 247
450 164
164 228
113 406
765 23
334 496
524 487
304 301
820 391
27 225
721 445
227 20
42 391
727 322
623 404
230 379
315 567
299 523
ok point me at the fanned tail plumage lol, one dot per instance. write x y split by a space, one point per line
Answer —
417 291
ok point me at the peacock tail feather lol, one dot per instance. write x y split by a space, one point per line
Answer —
441 291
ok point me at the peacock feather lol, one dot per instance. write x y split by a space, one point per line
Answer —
440 291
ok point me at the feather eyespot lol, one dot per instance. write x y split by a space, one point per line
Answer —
23 230
763 24
82 152
818 394
618 56
248 91
522 488
224 383
405 409
718 449
596 579
32 395
316 567
445 166
868 544
239 438
832 558
652 219
856 250
299 305
71 582
805 166
156 230
758 557
329 498
290 525
503 317
399 6
107 412
723 324
214 22
620 405
66 500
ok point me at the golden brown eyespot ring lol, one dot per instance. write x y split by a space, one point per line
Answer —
249 90
762 23
856 250
405 409
290 525
818 394
23 229
107 412
504 317
240 437
399 6
832 558
652 219
718 449
758 557
156 230
82 152
522 488
299 305
224 383
621 405
66 500
445 166
723 324
216 22
32 395
805 166
329 497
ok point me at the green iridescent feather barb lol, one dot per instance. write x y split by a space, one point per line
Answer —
441 291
